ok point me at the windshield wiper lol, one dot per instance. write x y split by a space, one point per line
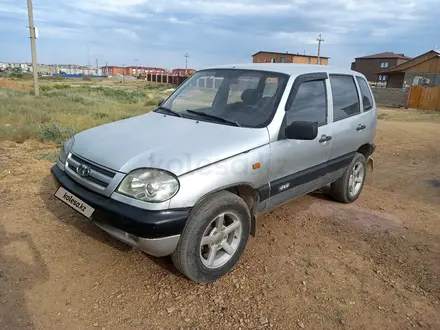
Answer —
235 123
175 113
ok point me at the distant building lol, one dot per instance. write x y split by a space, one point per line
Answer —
275 57
422 70
113 71
133 71
372 64
44 69
8 66
183 72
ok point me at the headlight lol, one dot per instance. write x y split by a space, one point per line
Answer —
64 151
150 185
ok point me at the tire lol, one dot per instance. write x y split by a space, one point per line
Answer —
340 190
192 258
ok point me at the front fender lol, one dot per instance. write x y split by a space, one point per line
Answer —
237 170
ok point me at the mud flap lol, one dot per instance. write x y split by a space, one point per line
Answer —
254 226
370 165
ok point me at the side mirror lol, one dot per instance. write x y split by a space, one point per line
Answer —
302 130
160 102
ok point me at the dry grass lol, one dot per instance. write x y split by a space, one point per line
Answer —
409 115
66 107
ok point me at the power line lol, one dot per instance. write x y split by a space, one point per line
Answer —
319 40
33 36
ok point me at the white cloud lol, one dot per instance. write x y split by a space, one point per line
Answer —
305 38
46 31
117 7
129 34
212 28
175 20
9 7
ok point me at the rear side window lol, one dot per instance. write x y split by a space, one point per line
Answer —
367 98
310 104
345 97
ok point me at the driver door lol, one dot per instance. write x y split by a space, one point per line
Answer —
299 167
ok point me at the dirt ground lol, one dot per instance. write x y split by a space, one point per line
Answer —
315 264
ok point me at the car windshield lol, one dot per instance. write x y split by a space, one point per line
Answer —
229 97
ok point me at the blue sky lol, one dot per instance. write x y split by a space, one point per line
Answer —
159 32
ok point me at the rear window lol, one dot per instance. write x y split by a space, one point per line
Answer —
367 98
345 97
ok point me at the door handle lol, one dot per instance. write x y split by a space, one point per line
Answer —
361 127
325 138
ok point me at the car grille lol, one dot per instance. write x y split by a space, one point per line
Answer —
98 177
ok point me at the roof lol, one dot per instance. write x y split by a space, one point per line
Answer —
287 68
287 53
386 55
413 62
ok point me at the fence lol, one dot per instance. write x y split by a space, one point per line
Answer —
165 78
390 97
426 98
76 75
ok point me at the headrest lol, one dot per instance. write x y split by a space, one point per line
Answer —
249 96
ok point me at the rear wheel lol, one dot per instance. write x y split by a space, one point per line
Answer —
214 238
349 186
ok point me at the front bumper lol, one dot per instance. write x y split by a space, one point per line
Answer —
154 232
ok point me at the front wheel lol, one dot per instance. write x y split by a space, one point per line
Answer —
349 186
214 238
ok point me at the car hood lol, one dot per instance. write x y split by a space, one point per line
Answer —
153 140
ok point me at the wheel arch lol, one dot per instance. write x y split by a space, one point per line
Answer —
247 193
366 150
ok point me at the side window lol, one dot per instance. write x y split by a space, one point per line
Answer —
310 104
366 94
345 97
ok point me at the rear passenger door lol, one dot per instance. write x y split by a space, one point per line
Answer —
368 115
348 123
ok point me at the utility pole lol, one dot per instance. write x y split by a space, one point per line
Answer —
319 40
88 56
186 64
33 47
106 68
97 66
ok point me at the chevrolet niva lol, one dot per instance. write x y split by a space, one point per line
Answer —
232 142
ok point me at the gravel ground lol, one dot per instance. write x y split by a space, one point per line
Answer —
315 264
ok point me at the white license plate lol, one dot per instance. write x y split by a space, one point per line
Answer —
74 202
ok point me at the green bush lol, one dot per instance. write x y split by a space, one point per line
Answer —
45 88
61 86
100 115
57 133
151 102
124 96
16 75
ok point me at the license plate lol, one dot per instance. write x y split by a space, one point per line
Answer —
74 202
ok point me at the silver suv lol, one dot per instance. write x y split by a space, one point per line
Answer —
190 178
